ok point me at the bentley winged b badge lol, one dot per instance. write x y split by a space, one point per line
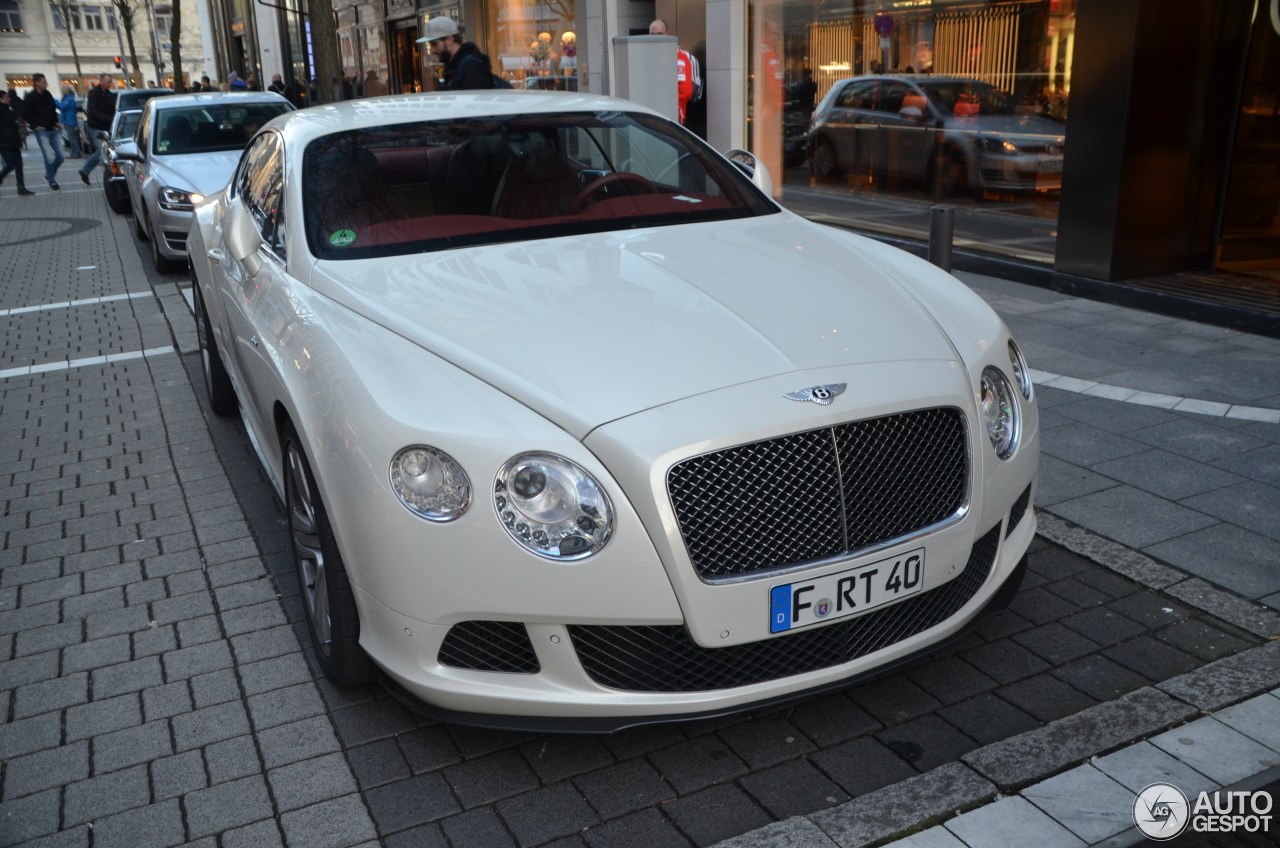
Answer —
821 395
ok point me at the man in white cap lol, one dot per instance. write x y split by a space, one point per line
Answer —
465 67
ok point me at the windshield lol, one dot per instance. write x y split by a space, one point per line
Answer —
125 125
206 129
383 191
964 98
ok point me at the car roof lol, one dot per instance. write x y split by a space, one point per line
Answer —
316 121
176 101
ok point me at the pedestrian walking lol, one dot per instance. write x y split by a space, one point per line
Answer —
40 111
68 105
374 87
11 143
277 85
465 67
100 112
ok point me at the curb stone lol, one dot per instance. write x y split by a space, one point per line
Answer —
878 815
1010 764
1036 754
1139 567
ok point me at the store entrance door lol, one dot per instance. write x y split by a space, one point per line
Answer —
404 63
1250 239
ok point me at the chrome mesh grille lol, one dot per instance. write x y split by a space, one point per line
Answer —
821 493
489 646
665 659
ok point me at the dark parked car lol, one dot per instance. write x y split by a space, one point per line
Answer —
127 100
954 135
113 170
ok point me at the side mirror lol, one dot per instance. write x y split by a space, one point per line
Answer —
242 237
753 168
128 151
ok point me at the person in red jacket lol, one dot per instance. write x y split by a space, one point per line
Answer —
688 76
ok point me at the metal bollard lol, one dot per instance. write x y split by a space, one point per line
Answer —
942 228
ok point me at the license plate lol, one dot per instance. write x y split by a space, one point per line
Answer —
832 596
1049 166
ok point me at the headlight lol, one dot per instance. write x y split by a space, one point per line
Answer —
996 145
430 483
999 412
1021 374
178 200
552 506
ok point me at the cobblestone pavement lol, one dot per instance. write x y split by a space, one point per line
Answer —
155 690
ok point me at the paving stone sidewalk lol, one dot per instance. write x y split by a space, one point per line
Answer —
154 689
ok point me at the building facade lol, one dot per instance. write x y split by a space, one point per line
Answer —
34 38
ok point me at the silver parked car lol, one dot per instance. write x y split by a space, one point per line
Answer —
955 135
185 148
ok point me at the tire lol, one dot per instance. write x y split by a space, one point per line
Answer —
327 599
118 205
823 160
217 384
950 175
138 230
163 264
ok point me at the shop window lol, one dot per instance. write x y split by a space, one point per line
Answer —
10 17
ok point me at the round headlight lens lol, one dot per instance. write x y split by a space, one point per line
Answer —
430 483
999 412
552 506
1021 373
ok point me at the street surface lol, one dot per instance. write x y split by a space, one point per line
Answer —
155 689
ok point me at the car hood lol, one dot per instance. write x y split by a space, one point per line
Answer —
205 173
589 329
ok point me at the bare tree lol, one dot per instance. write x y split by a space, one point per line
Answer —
324 39
126 16
175 44
69 12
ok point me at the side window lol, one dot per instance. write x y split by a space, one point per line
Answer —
142 136
891 96
261 188
856 96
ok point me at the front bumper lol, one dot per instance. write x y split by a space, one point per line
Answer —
169 228
564 692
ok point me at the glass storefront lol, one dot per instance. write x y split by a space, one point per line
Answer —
872 112
1251 214
530 43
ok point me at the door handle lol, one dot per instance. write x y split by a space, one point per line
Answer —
216 255
253 340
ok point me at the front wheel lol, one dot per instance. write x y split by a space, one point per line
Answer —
823 160
217 384
327 598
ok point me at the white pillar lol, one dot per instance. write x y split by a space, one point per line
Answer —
267 20
597 53
645 72
726 74
210 65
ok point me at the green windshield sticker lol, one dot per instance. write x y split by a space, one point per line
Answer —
342 238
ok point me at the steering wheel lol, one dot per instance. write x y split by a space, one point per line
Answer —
583 198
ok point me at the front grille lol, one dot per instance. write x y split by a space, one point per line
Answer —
821 493
1018 510
489 646
665 659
